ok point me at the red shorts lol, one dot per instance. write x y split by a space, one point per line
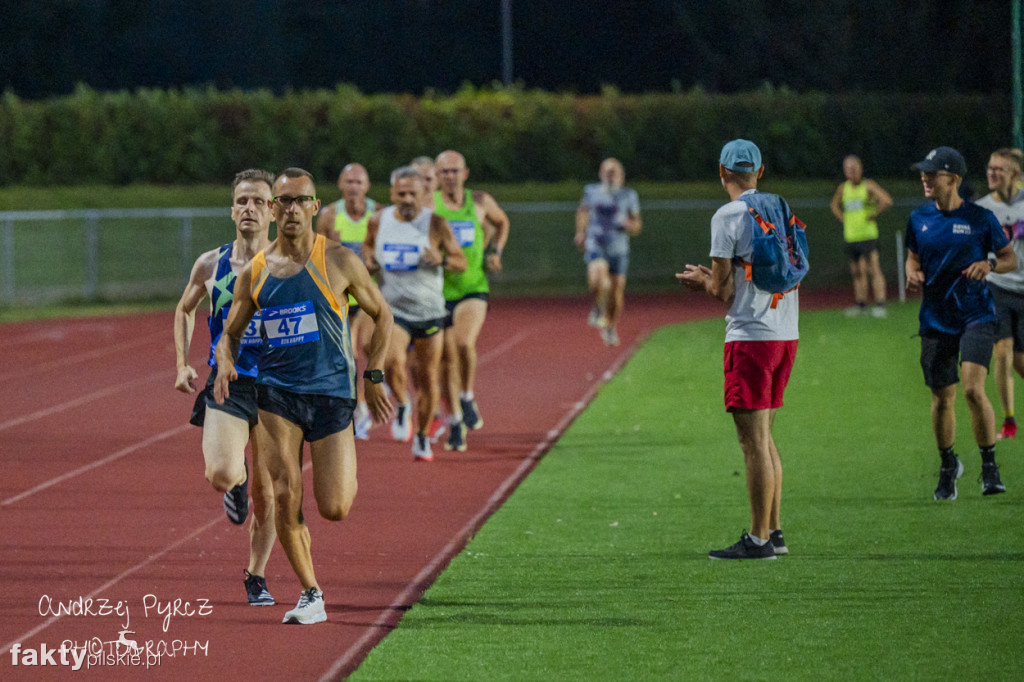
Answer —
756 373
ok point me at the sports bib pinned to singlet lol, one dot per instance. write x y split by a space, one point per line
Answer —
465 231
400 257
252 336
291 324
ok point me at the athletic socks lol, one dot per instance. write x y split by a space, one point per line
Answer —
948 457
756 540
988 454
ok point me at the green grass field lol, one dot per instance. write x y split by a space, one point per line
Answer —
596 568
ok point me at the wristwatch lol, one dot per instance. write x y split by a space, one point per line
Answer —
992 264
374 375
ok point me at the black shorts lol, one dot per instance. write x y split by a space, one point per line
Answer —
857 250
240 403
421 330
939 353
450 305
1010 309
318 416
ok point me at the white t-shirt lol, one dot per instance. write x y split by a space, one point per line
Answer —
751 316
1011 217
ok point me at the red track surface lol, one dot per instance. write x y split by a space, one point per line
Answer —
103 495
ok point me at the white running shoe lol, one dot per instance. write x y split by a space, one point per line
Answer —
309 610
421 451
610 336
362 421
401 425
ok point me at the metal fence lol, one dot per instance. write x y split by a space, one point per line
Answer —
134 254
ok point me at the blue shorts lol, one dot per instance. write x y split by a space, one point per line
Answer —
617 264
241 403
317 415
451 305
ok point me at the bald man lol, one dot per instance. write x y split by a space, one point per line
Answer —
608 215
345 221
481 228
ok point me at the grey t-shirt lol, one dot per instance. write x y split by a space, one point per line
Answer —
608 211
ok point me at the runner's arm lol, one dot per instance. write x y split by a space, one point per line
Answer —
448 254
185 317
499 221
226 352
879 197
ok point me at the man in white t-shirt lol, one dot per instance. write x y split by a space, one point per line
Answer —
1006 201
760 346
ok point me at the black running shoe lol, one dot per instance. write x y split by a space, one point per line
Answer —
256 588
778 543
456 437
471 414
236 500
746 548
990 482
947 480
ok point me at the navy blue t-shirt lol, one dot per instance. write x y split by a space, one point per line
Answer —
946 243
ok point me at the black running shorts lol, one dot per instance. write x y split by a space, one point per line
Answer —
939 353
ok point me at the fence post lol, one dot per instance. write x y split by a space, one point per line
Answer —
185 256
901 275
8 260
92 241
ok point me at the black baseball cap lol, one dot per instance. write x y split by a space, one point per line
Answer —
942 159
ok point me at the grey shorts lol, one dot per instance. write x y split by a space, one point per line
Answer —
1010 309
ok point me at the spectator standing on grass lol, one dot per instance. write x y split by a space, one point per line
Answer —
345 221
228 427
760 346
481 228
608 215
411 247
948 245
306 386
857 203
1006 201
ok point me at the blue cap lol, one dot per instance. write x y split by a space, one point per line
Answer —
942 159
741 155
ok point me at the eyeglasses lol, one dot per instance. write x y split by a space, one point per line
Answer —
286 202
997 169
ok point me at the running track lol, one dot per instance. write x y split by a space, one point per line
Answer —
103 495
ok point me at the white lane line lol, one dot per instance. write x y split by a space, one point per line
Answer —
419 584
89 397
116 579
505 347
124 574
95 464
65 360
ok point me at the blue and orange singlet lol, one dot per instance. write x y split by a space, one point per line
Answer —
308 346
